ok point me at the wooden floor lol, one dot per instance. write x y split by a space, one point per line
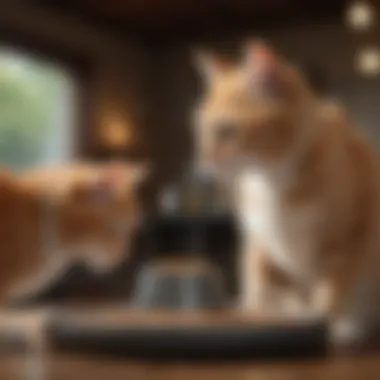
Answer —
83 368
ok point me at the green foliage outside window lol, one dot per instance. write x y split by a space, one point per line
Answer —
29 94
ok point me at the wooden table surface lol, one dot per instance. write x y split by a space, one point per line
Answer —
83 368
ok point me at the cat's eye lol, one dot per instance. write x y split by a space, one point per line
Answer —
118 228
226 132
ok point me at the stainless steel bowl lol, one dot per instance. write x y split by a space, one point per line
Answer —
192 283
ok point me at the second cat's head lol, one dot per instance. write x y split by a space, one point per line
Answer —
95 209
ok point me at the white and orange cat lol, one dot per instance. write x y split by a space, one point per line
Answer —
53 216
307 186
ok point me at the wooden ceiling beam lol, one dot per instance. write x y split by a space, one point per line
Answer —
184 19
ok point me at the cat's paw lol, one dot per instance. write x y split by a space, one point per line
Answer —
345 334
254 310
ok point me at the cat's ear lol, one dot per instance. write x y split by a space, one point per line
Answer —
209 65
121 177
101 188
263 68
106 182
117 179
139 173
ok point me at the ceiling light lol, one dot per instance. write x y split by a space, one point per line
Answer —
368 62
360 15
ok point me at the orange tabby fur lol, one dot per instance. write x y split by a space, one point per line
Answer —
53 216
308 190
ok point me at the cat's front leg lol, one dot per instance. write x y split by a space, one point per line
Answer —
43 277
333 299
253 278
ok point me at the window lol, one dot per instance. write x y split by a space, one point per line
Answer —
37 111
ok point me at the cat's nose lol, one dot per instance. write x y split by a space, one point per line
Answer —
226 132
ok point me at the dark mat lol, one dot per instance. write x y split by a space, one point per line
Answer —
222 342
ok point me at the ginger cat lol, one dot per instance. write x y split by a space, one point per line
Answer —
307 191
53 216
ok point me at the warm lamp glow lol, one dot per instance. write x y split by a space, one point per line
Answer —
368 62
116 133
360 15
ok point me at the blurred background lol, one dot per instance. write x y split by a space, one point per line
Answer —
96 80
120 76
99 80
